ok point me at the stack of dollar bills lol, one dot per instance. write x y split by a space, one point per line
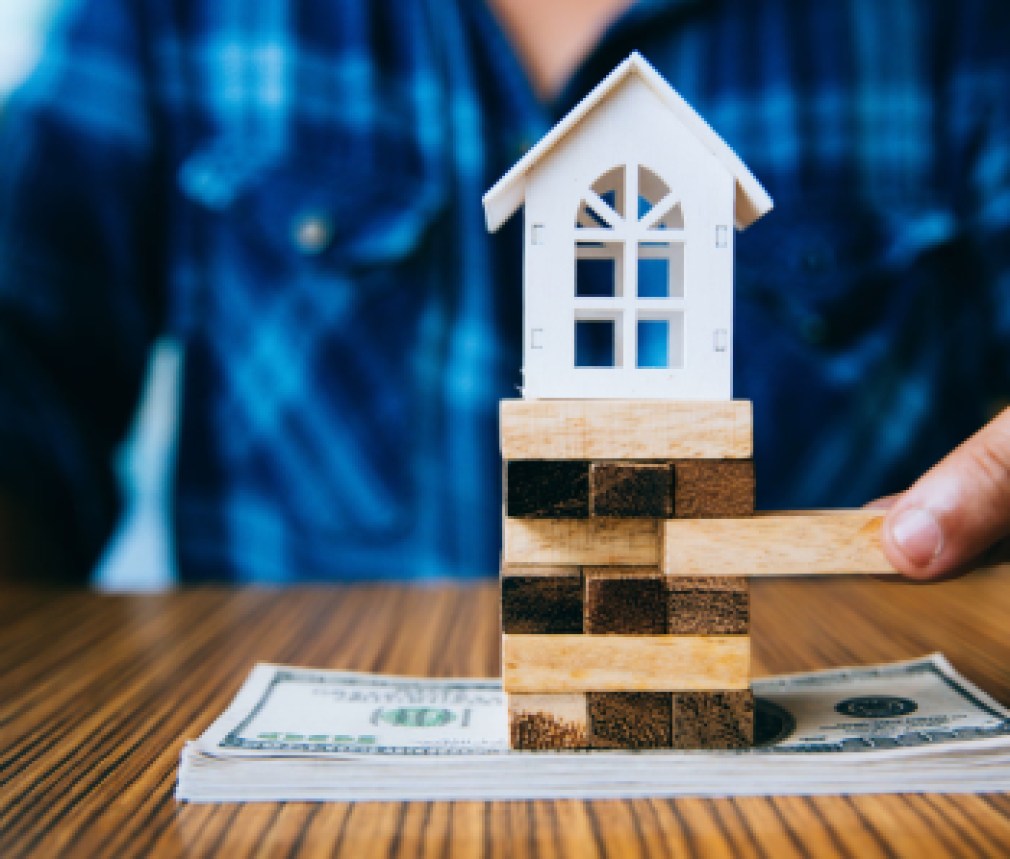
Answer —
303 734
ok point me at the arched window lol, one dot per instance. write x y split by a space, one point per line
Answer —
629 272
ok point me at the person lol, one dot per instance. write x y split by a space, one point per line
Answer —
292 191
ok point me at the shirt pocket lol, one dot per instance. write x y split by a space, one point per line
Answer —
347 205
316 258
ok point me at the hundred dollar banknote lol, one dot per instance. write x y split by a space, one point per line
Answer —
297 733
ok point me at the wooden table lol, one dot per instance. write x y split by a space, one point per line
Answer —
97 694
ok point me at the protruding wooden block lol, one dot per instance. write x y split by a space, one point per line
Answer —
625 602
547 488
810 543
624 663
713 488
631 489
626 429
541 604
630 720
712 605
713 720
594 542
548 722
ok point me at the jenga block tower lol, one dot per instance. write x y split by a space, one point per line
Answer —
629 531
616 632
605 644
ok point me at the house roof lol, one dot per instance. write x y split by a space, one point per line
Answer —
509 192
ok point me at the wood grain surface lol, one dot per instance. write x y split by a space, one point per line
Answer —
97 694
624 663
593 542
816 542
626 429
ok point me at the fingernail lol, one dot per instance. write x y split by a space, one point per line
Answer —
918 535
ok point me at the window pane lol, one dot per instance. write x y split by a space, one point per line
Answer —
660 270
595 344
610 186
651 190
588 217
653 278
653 343
672 220
595 278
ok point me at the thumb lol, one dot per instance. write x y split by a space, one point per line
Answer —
957 510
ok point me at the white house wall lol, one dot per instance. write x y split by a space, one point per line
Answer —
631 125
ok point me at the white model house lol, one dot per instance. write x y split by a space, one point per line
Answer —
630 202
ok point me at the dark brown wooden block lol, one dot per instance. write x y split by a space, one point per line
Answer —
624 603
547 722
547 489
541 604
712 605
713 488
631 490
713 720
630 720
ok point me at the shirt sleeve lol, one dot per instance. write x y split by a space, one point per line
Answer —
79 262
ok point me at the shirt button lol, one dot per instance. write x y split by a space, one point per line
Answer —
312 232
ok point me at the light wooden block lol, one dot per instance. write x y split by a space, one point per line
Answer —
631 489
713 720
540 570
626 429
815 543
617 663
630 720
547 605
595 542
548 722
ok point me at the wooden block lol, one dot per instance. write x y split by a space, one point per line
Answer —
630 720
713 605
596 542
809 543
625 603
631 489
547 488
713 488
713 720
541 571
625 429
624 663
541 604
548 722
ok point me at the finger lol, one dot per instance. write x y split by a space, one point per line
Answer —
957 510
886 502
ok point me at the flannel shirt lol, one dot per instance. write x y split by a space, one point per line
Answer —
292 190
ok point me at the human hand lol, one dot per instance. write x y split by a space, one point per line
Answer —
956 512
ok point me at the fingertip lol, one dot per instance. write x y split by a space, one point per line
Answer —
913 542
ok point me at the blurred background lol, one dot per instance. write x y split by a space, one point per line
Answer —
139 556
22 24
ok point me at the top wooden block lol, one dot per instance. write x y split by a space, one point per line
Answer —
626 429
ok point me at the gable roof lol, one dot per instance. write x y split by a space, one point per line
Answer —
509 192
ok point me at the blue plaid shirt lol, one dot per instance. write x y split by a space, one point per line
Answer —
293 191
